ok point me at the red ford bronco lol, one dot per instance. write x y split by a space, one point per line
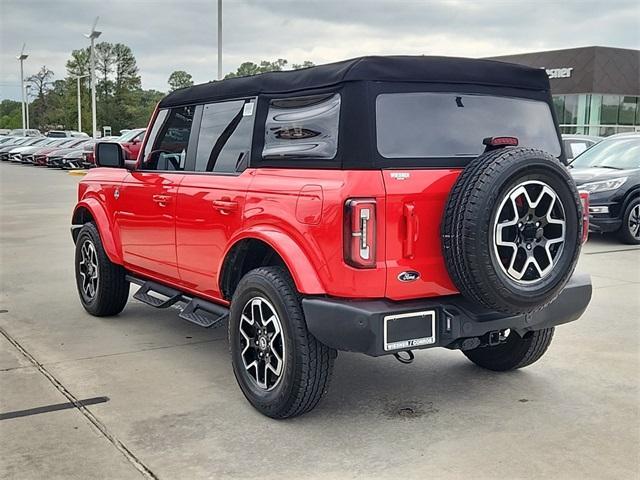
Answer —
377 205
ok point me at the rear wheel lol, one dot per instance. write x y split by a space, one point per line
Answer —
630 230
516 351
280 367
102 284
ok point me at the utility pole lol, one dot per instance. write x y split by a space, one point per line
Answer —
28 88
79 103
22 57
219 39
92 36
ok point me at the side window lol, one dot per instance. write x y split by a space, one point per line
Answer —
224 141
168 141
302 127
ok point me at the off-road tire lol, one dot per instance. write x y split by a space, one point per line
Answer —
516 352
624 233
112 292
467 236
308 363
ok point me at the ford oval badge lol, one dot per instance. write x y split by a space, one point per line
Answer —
409 276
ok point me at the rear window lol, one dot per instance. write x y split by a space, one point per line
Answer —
432 125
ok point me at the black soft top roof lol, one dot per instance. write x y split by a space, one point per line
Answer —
379 69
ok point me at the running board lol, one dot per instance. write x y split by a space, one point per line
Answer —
201 312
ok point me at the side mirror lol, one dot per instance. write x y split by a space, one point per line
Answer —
109 154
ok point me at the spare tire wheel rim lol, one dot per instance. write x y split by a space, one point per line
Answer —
262 343
529 232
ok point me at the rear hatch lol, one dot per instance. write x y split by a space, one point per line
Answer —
424 140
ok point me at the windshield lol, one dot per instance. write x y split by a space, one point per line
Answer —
430 125
130 135
618 153
34 141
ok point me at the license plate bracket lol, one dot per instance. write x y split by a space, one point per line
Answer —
405 331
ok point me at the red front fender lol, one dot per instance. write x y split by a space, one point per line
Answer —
106 228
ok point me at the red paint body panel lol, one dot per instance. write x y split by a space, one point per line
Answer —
272 203
209 213
415 205
146 209
177 228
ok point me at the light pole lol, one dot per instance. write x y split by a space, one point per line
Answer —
22 57
79 103
219 39
92 36
28 88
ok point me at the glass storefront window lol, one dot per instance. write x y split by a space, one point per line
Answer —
597 114
609 111
627 110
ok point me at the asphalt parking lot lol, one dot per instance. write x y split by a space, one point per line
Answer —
167 405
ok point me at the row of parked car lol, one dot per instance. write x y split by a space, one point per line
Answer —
71 152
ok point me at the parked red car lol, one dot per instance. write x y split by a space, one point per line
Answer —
131 142
378 205
39 157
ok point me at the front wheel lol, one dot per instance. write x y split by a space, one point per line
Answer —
516 352
281 368
630 230
102 284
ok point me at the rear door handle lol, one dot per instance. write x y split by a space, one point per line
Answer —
162 200
411 230
225 205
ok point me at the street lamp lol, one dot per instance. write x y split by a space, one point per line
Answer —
219 39
28 87
92 36
79 103
22 57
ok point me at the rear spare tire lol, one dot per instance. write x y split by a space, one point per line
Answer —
511 232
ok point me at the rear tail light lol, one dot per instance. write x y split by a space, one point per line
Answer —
584 199
360 232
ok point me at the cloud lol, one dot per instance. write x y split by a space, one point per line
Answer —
168 35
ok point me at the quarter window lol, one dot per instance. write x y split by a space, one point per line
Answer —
302 127
225 136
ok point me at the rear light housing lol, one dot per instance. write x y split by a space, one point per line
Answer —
360 232
584 200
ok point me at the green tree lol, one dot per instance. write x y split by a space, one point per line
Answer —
250 68
10 114
41 82
179 79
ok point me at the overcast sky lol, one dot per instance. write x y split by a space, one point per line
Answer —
170 35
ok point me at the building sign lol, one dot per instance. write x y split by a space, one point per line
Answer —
564 72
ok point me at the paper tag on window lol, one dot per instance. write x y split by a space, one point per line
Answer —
248 110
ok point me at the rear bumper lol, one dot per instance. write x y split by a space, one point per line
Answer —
358 325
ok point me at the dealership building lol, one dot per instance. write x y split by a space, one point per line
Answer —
596 90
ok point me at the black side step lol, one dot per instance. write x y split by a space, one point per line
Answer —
143 295
198 311
203 313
